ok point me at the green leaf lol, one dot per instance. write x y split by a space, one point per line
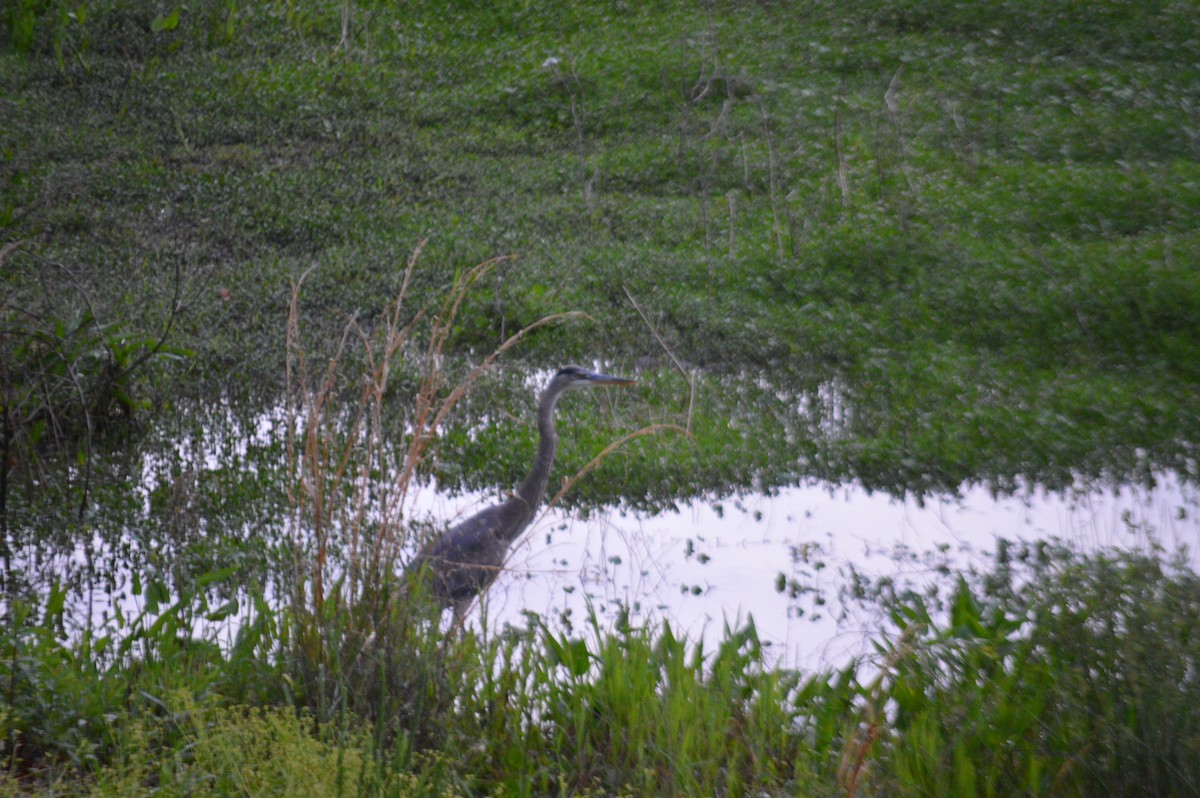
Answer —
219 575
168 23
56 602
570 653
36 430
156 594
965 614
224 611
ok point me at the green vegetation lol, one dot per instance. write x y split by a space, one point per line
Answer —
911 244
971 223
1053 674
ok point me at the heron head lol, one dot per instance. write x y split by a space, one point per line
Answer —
576 377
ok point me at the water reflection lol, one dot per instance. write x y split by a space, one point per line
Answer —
210 499
713 562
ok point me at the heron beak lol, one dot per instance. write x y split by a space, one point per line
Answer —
598 380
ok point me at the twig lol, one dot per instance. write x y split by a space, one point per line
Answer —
653 429
843 176
688 377
861 741
8 248
772 179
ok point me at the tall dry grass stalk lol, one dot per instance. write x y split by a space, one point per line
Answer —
357 639
350 486
691 382
650 429
862 737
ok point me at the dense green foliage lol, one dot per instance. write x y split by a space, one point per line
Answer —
908 243
1051 674
1070 683
911 244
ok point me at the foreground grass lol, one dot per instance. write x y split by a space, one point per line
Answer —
1052 674
912 244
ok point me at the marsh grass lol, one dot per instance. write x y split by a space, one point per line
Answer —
1052 673
365 639
976 219
910 202
1036 679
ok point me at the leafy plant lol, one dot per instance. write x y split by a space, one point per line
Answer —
69 690
1056 674
909 244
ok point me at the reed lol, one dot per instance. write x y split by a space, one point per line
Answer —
359 638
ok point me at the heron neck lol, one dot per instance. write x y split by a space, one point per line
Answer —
533 488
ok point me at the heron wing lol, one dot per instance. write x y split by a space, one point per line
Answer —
469 556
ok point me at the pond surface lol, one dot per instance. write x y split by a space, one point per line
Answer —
714 563
782 557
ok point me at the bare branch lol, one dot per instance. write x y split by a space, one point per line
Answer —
653 429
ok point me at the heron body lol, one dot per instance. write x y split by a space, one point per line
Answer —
462 563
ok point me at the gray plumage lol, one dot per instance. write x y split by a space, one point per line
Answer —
462 563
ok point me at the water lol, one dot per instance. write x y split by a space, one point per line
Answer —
718 562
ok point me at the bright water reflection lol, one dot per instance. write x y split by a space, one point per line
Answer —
711 563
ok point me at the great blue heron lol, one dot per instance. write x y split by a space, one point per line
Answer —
464 561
